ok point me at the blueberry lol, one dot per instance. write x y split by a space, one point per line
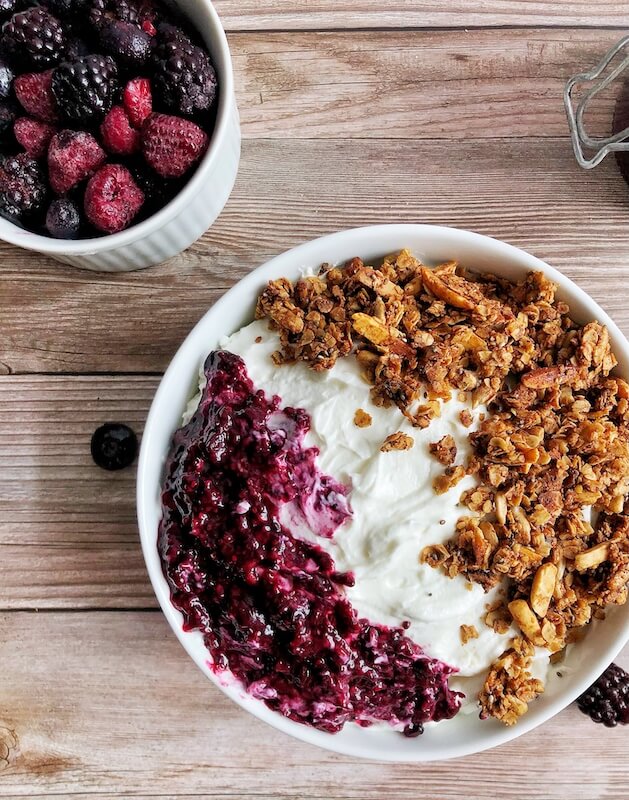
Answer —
6 80
128 44
114 446
63 219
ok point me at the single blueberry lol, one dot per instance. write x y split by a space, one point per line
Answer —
114 446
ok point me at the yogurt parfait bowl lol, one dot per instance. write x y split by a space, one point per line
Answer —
356 508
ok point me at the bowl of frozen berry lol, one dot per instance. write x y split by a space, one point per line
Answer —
119 132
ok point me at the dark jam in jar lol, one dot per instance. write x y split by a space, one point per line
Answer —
271 606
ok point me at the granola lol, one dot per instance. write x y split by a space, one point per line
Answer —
553 444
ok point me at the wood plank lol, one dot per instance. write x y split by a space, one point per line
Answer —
108 703
330 14
419 84
68 531
530 193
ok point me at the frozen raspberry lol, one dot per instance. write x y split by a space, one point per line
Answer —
128 44
34 91
112 198
72 157
63 219
171 145
85 88
22 187
137 101
184 78
117 134
6 80
34 135
607 699
33 38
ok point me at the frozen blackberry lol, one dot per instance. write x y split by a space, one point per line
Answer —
85 89
184 80
7 118
63 219
128 44
22 187
102 11
157 190
33 38
6 80
67 8
607 699
114 446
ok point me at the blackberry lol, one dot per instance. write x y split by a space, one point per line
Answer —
9 7
63 219
66 8
22 187
184 80
33 38
607 699
6 80
157 191
7 118
130 45
85 89
102 11
114 446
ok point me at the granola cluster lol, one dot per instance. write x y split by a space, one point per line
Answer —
548 515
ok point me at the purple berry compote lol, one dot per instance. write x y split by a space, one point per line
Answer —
271 606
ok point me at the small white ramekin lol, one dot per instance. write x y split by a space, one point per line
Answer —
466 733
192 211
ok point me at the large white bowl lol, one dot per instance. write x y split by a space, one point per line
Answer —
192 211
463 734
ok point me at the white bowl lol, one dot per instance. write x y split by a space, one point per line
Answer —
192 211
463 734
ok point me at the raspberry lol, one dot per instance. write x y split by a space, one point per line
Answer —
34 91
130 45
72 157
117 134
33 38
137 101
22 187
6 80
607 699
171 145
184 79
63 219
33 135
85 88
112 198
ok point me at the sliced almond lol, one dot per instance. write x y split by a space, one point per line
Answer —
501 507
527 621
592 558
371 328
441 290
543 588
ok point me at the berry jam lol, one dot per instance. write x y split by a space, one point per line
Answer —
271 606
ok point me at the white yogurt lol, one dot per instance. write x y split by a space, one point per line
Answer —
396 512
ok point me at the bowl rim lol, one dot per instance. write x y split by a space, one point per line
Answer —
21 237
300 257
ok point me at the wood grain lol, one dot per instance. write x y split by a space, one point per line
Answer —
68 530
531 193
420 84
109 703
326 14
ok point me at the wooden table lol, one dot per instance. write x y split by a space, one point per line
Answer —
353 112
